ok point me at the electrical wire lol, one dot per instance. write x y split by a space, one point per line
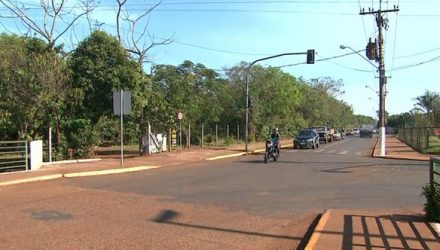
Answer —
363 22
437 58
328 60
419 53
395 41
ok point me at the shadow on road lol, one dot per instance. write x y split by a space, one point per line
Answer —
376 232
166 217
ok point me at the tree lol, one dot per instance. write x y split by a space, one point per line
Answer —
56 17
427 103
135 40
275 98
34 83
100 65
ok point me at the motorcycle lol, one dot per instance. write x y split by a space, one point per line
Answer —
272 151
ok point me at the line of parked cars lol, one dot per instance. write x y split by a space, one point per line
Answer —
312 137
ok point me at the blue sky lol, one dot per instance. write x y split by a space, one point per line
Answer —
221 34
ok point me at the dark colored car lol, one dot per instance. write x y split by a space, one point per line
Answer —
306 138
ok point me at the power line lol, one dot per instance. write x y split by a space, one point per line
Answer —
419 53
328 59
395 41
437 58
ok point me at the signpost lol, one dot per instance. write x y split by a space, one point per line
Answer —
122 106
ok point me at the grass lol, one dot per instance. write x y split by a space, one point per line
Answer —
434 146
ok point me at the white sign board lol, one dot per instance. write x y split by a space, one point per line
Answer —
180 115
126 102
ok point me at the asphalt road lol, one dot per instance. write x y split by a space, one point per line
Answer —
235 203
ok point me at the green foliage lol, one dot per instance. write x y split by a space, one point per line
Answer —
80 136
432 205
34 83
100 65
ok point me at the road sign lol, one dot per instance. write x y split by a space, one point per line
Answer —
180 115
126 102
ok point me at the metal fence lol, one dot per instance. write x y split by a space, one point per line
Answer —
420 139
14 155
433 171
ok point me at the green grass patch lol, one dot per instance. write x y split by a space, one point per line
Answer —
434 146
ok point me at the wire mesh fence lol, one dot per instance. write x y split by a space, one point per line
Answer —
425 139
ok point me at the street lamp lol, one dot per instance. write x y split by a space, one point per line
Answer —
310 60
381 98
357 52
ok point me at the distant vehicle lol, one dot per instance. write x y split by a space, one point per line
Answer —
366 131
324 134
337 135
306 138
356 131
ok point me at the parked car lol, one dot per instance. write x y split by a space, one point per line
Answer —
306 138
356 131
337 135
324 134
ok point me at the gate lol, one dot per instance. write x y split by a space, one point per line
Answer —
13 155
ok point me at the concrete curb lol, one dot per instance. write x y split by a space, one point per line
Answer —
78 174
109 171
48 164
318 229
32 179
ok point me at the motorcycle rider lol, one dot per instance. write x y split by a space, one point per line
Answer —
276 138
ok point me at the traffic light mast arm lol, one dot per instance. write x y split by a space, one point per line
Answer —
310 60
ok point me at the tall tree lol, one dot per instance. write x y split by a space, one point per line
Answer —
34 83
427 103
52 21
100 66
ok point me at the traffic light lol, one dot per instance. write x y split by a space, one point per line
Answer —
310 56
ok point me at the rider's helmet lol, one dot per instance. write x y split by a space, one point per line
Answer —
275 131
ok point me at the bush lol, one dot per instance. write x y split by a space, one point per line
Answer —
80 137
432 205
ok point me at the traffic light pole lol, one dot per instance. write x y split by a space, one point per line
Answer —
310 60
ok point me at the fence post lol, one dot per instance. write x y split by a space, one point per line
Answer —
431 171
216 134
202 136
188 143
169 139
427 134
50 143
431 177
26 154
238 133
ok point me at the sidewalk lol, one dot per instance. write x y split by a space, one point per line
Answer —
398 229
112 165
395 149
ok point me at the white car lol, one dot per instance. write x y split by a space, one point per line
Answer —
337 136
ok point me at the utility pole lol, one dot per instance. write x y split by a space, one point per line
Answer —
379 57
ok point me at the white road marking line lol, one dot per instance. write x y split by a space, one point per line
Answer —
358 153
319 150
343 152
